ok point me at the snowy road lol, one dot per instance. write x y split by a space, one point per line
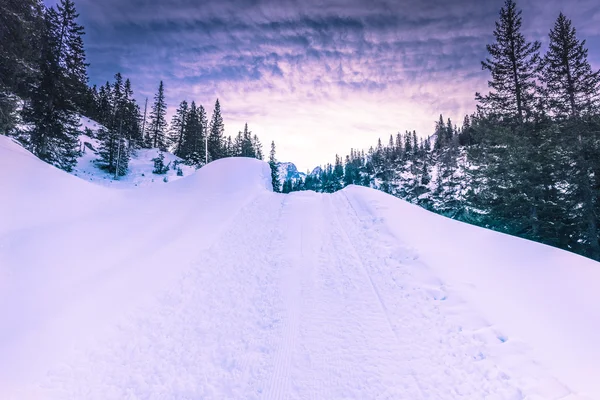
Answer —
240 293
315 304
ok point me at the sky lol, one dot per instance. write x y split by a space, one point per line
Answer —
316 76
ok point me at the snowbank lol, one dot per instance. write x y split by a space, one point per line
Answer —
75 257
34 192
540 295
229 175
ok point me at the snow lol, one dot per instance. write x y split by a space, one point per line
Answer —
215 287
541 296
140 166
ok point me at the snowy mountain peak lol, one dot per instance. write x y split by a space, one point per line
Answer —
289 171
316 171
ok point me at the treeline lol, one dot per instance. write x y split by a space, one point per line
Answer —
42 65
44 91
527 162
190 135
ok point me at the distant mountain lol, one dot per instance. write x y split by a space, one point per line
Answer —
317 171
288 170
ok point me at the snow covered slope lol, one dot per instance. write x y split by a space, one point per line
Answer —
140 165
214 287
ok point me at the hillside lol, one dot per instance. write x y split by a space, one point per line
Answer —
215 287
140 166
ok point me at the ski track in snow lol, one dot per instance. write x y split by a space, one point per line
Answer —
319 302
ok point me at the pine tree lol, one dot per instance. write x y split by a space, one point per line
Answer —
178 128
450 131
573 88
71 53
52 110
194 135
105 108
21 33
287 186
131 118
247 149
274 169
229 149
158 122
118 102
440 134
514 64
159 164
257 146
216 144
114 150
573 92
202 137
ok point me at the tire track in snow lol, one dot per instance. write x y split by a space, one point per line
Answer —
374 288
346 350
295 256
446 362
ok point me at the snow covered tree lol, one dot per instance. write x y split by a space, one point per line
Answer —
287 186
159 164
274 169
573 90
158 122
216 143
131 118
194 134
257 146
247 148
52 109
21 33
114 150
177 129
440 134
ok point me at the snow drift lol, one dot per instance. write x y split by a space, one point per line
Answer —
543 296
34 192
215 287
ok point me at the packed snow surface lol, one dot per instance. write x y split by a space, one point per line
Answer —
214 287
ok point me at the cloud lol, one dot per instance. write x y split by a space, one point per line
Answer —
316 76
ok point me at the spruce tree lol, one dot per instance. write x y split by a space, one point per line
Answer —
194 133
202 137
573 94
247 149
216 142
274 169
131 118
158 122
237 145
257 146
21 33
573 88
177 128
440 134
71 53
105 108
514 64
52 110
114 150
